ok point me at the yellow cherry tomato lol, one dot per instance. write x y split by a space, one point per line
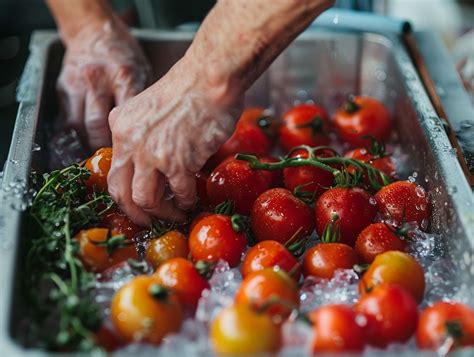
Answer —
144 311
172 244
239 330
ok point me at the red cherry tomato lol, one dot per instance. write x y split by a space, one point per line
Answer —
336 330
304 124
107 339
444 323
354 207
324 259
362 116
278 215
404 201
391 314
269 254
311 179
180 276
99 166
251 136
396 268
383 164
234 180
377 239
119 222
213 238
271 290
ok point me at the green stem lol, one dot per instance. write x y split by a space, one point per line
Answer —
68 254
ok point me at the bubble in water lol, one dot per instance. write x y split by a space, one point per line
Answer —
35 147
14 161
336 19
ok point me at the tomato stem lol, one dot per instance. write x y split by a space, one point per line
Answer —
158 292
323 163
350 106
205 269
332 232
316 125
112 243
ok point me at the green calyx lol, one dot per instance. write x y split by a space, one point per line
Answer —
205 269
112 243
350 105
239 223
377 148
158 292
332 232
454 330
316 125
160 228
226 208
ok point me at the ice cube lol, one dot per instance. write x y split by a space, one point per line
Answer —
341 289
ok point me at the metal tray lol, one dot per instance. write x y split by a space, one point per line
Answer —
323 64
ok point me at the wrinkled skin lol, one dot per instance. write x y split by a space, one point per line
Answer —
103 66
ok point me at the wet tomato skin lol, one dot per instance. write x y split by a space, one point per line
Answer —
95 257
269 254
336 330
324 259
234 180
435 320
135 304
354 206
238 330
259 287
296 128
180 276
370 118
397 268
172 244
248 138
404 201
119 222
213 238
377 239
99 167
311 179
278 215
391 313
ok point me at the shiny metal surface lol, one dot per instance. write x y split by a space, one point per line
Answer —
322 64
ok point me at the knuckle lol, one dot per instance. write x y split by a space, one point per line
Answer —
144 201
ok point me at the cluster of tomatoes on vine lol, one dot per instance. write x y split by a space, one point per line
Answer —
249 198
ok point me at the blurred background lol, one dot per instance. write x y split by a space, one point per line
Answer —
451 20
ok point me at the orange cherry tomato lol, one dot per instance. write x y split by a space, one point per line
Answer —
119 222
324 259
336 330
172 244
271 290
404 201
444 323
180 276
99 166
377 239
391 314
394 267
101 248
213 238
304 124
362 116
269 254
143 311
239 330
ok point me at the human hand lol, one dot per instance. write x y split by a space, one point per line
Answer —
103 66
162 137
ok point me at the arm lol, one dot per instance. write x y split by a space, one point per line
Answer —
163 136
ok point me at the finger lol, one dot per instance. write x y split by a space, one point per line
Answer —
97 107
127 84
184 190
119 182
148 189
